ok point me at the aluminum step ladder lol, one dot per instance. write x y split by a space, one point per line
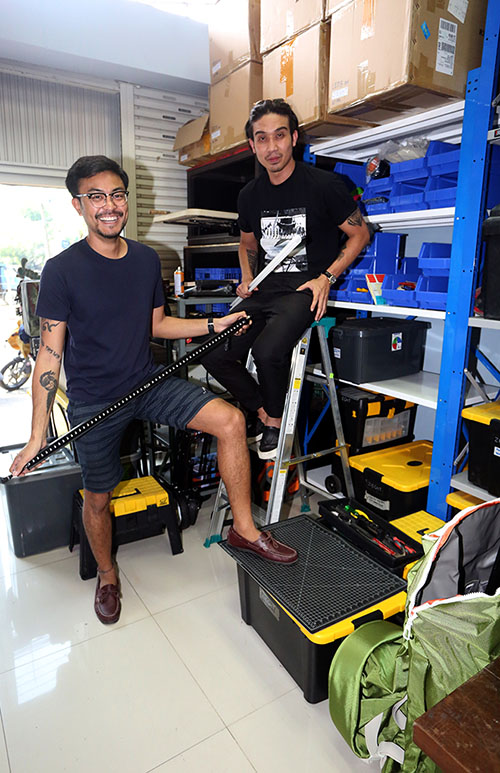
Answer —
288 443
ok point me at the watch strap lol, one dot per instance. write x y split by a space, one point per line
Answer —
211 327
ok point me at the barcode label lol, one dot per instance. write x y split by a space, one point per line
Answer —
446 47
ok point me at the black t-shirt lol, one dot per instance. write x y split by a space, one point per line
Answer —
107 305
311 202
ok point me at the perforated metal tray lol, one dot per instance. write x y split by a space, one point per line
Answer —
330 581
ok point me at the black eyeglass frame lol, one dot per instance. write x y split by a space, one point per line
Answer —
90 196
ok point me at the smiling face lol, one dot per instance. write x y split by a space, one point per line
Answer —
273 145
108 221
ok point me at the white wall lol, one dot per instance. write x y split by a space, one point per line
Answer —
115 39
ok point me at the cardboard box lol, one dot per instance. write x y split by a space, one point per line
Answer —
231 100
282 19
233 36
391 58
193 141
298 72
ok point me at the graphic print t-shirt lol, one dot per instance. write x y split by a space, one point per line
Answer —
312 203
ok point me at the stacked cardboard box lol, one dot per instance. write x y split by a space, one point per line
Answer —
392 58
297 71
283 19
235 70
192 141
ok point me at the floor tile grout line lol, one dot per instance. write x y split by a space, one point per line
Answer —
112 629
5 741
198 743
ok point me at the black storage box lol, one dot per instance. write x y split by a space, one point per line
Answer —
39 504
483 423
395 481
490 288
377 349
368 531
304 610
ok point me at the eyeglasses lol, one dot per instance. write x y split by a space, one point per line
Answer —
98 200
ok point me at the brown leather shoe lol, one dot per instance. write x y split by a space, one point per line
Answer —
266 547
107 603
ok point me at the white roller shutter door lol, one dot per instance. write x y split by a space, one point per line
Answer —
161 183
46 125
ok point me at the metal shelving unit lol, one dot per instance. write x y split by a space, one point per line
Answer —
472 123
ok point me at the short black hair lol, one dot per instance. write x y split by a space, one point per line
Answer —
266 106
88 166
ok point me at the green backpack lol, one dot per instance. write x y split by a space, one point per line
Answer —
382 678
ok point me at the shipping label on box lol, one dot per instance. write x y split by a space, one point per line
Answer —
396 58
234 36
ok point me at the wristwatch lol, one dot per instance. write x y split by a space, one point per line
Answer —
211 326
331 277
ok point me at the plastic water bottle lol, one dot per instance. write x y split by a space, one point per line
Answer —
178 281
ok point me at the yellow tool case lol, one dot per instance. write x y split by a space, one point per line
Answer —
459 500
415 526
483 423
394 481
371 421
304 610
141 508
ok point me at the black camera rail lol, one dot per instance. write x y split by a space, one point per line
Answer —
86 426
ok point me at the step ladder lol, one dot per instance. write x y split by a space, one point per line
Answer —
288 444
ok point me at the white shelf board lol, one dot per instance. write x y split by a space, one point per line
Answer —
493 324
441 123
384 309
420 388
462 483
423 218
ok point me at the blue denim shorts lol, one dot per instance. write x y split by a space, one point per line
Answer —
174 402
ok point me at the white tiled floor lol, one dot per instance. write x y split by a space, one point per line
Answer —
179 685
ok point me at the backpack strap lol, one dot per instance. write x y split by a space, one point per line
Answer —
380 751
346 673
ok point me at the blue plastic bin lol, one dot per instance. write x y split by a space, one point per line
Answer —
442 158
358 290
353 175
414 169
378 187
341 290
432 292
408 196
408 271
441 192
434 259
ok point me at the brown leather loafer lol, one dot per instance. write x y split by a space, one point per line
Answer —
107 603
266 547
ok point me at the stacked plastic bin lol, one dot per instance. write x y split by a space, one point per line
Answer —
216 273
381 256
432 286
399 289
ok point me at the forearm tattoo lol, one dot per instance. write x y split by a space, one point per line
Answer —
52 352
356 218
48 325
252 256
48 381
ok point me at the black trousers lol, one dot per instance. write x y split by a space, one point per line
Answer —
279 317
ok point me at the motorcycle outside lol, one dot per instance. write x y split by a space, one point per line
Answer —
17 372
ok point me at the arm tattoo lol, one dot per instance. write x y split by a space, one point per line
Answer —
355 218
48 381
252 260
52 352
48 325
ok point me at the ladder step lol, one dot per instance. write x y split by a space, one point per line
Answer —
312 455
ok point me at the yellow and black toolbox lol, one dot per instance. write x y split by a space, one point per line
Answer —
393 481
483 423
141 508
372 421
459 500
304 610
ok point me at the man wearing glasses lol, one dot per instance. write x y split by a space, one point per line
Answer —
99 302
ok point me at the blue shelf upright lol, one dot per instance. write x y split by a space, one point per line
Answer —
469 214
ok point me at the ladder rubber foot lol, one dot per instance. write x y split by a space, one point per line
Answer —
305 509
210 540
